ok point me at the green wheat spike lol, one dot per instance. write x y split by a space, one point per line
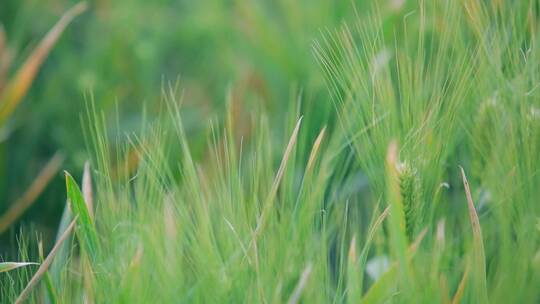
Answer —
409 184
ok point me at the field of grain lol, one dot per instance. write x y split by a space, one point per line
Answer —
252 151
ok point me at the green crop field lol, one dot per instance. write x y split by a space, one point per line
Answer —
270 151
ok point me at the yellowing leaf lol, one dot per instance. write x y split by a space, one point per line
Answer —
7 266
479 273
17 88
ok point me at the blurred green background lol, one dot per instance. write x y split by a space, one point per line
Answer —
123 52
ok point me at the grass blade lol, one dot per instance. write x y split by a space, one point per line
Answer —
284 161
51 297
16 89
7 266
32 193
86 230
275 185
87 189
381 289
461 288
354 274
267 207
356 264
63 253
365 250
5 58
479 275
45 265
295 296
315 149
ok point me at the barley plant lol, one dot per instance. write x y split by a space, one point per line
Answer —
319 152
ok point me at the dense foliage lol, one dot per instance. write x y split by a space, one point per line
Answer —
310 151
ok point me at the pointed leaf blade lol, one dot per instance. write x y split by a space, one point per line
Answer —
8 266
86 229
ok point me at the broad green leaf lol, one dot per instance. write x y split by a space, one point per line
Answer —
86 229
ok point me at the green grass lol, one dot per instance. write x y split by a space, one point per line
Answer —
429 160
